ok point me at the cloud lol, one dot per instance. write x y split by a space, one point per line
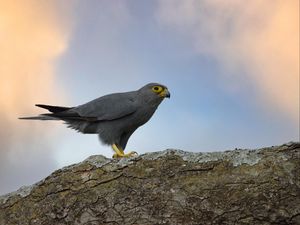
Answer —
32 36
256 41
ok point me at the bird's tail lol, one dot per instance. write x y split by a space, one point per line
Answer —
47 116
39 117
53 108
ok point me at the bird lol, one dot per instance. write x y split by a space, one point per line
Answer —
114 117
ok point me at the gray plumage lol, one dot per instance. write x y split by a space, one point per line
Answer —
113 117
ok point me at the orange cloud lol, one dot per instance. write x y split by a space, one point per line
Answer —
256 40
32 37
30 40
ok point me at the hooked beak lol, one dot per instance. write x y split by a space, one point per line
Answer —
165 93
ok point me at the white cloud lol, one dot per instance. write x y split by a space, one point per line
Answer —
253 40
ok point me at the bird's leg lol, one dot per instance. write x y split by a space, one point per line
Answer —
120 152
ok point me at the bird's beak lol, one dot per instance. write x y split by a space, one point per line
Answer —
165 93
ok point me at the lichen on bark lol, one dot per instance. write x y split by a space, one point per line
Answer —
170 187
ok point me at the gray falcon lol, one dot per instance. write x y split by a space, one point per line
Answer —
113 117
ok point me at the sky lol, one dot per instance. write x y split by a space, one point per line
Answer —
232 68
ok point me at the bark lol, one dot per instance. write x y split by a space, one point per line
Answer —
170 187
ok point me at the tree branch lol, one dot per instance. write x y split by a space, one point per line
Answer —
170 187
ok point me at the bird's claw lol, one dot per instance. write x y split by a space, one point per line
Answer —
131 154
122 155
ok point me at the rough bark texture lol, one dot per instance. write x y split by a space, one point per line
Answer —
170 187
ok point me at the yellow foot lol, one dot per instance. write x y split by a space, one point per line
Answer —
128 155
120 152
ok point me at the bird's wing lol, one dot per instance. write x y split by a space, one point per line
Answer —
109 107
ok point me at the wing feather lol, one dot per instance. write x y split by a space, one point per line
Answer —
109 107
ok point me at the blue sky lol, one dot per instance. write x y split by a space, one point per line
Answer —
227 90
111 55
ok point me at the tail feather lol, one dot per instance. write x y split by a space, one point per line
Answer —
59 113
56 110
40 117
53 108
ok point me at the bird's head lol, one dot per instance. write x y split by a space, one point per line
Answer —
154 92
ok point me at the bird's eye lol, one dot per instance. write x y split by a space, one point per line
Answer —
157 89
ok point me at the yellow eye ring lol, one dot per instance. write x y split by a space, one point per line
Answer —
157 89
